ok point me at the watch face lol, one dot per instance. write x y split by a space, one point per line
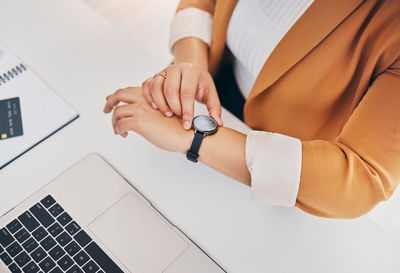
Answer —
205 124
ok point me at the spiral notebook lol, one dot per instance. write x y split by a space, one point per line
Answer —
30 111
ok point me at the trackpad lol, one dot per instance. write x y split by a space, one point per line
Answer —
137 236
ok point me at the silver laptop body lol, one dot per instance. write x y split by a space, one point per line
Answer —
90 219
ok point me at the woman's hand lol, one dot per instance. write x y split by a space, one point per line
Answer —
136 115
224 151
176 89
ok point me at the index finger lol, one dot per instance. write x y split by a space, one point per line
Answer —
121 95
211 100
189 85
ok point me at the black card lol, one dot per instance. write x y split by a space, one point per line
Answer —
10 118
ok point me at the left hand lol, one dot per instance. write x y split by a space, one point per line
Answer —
138 116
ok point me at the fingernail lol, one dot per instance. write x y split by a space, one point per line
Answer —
186 125
219 120
168 114
154 105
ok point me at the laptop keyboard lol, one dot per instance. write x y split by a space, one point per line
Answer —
45 238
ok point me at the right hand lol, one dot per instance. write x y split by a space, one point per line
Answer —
184 83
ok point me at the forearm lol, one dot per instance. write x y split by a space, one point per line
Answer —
191 50
225 152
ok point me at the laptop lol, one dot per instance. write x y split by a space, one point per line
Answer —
91 219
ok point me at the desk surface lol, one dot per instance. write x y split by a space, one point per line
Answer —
86 50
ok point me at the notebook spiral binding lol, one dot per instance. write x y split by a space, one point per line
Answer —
10 74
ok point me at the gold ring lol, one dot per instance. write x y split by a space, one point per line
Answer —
162 74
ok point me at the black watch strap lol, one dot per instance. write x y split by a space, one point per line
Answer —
193 152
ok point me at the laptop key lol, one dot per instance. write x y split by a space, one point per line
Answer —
56 210
56 253
64 219
90 267
48 243
75 269
81 258
42 215
55 229
22 235
82 238
22 259
5 258
72 228
30 245
47 264
14 249
14 268
65 262
28 221
40 234
102 259
14 226
5 237
1 249
31 268
48 201
38 254
72 248
63 239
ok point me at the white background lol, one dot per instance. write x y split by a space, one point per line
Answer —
86 50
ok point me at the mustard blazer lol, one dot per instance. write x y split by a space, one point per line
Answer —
333 82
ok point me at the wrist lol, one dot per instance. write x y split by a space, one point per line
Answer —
193 63
204 127
191 50
186 141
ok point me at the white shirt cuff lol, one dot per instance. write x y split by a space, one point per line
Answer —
191 22
274 162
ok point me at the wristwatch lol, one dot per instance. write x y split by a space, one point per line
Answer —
202 126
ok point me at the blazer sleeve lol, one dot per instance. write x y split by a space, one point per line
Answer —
206 5
347 177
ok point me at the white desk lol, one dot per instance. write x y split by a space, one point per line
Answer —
84 57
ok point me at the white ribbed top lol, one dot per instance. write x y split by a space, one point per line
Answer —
255 29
